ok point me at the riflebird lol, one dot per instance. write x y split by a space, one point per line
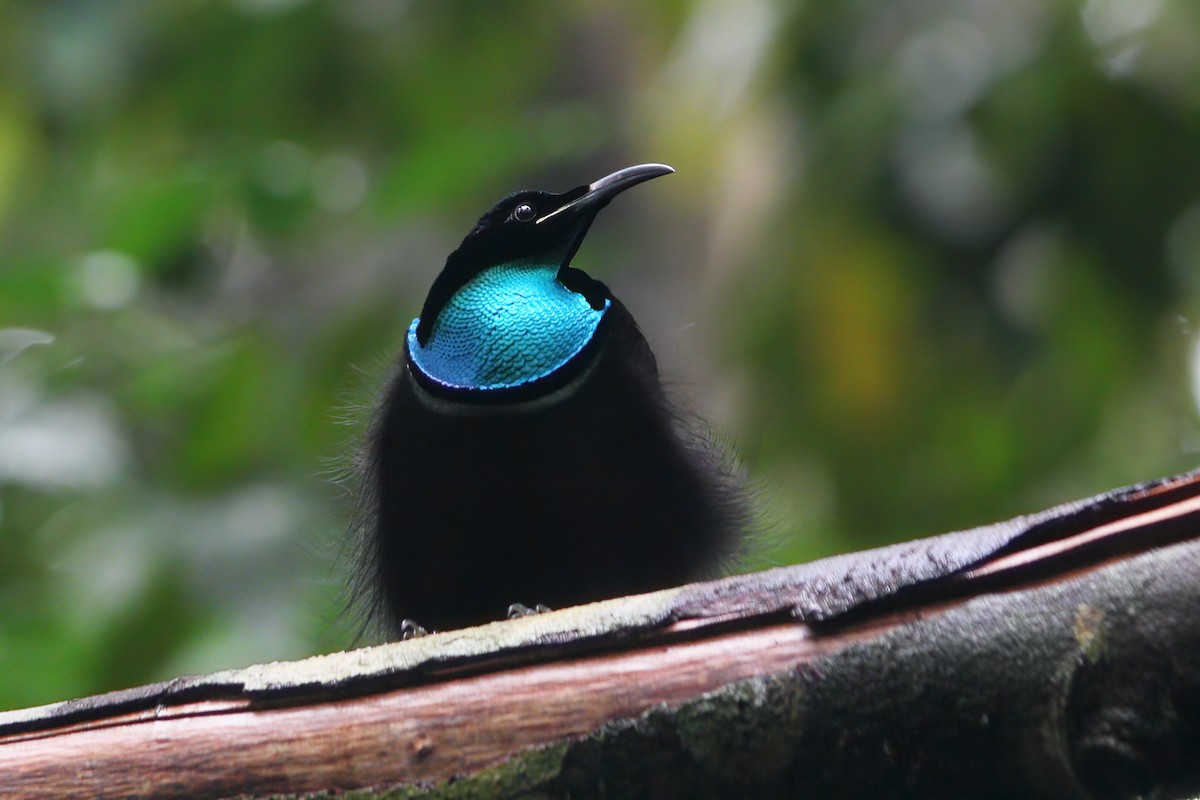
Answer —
524 449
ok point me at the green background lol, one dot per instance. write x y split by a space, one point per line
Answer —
926 265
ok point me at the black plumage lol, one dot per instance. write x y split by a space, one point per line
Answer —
576 485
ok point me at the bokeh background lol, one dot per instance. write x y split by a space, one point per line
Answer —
925 263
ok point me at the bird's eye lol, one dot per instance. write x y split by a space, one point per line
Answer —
523 213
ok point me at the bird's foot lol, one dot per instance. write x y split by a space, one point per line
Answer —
517 610
409 629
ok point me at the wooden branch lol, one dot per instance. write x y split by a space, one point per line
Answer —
1056 655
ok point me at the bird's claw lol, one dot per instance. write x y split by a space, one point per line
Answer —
409 629
517 610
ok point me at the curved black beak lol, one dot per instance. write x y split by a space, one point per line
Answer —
596 195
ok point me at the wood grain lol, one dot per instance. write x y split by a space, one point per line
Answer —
423 734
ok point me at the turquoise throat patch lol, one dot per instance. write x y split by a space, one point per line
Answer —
510 325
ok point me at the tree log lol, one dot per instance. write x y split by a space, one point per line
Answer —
1055 656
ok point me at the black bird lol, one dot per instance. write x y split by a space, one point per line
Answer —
524 449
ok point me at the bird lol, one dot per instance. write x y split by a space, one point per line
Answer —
523 449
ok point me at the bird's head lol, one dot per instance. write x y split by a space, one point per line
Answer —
528 226
502 289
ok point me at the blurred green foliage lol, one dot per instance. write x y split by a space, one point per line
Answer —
926 265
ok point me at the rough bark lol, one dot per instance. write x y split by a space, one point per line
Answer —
1056 655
